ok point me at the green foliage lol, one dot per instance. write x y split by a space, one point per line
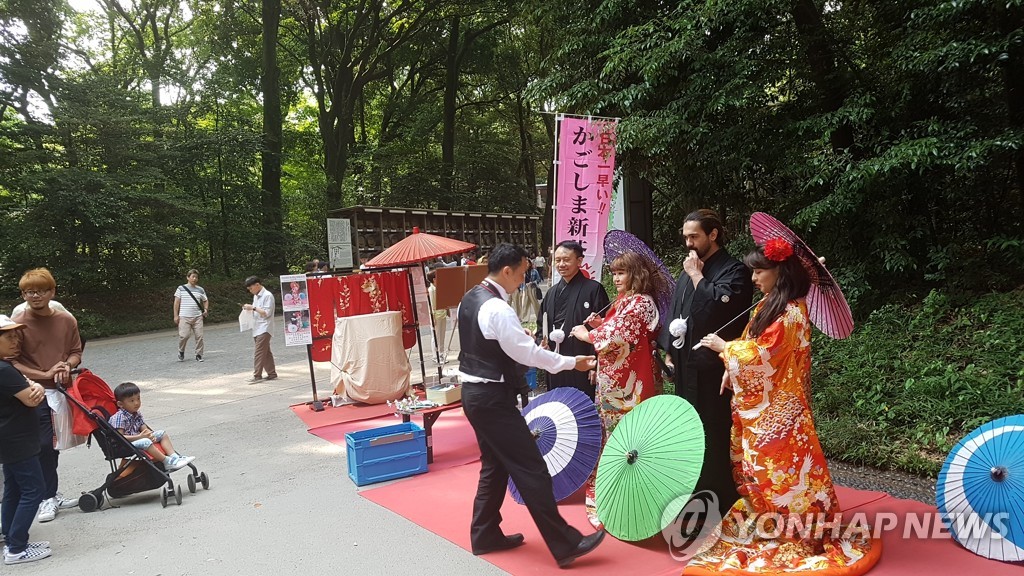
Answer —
730 105
912 380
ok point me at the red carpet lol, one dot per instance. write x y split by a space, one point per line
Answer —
331 415
421 498
454 441
919 548
449 486
850 499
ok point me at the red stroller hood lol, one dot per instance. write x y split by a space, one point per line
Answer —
92 392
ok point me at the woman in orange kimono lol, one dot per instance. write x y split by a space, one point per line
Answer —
780 524
624 341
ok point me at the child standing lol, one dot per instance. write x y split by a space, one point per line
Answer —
128 421
19 451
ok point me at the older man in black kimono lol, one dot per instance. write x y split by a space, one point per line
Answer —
567 304
713 289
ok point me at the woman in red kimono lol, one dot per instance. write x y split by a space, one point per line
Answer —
786 491
624 341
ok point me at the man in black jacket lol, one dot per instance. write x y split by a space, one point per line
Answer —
713 289
567 304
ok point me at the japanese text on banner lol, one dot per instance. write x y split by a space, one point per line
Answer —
586 152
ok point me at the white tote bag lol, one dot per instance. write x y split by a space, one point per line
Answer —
245 321
63 421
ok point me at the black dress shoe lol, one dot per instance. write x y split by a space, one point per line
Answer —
585 546
511 541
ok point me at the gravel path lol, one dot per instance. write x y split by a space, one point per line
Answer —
897 484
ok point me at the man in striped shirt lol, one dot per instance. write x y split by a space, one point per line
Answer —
190 308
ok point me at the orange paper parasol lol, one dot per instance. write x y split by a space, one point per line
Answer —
418 247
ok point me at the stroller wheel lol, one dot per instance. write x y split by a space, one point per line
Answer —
88 502
192 483
205 480
163 497
177 495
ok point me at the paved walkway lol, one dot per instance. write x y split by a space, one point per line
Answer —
280 502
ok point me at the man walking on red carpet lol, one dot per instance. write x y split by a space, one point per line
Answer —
493 341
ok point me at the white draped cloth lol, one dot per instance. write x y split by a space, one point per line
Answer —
368 360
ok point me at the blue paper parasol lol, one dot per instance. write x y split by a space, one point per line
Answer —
568 432
981 487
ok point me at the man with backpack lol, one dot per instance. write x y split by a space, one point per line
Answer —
190 308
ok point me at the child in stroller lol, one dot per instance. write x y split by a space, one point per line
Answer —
132 470
128 421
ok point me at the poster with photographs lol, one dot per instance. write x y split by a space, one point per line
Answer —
295 302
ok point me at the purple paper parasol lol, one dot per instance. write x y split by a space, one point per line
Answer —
568 433
617 242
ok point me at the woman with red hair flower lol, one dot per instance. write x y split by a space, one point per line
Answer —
780 469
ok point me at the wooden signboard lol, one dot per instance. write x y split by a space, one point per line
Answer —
451 284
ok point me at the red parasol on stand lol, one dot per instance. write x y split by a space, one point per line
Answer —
418 247
826 304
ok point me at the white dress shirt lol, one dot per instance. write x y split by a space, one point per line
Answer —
264 300
499 322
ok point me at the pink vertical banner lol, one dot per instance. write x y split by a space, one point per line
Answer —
586 163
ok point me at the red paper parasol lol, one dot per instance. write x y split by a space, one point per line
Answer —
825 301
418 247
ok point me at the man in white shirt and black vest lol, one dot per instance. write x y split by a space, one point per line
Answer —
492 343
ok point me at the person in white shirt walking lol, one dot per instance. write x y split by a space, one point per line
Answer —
190 308
262 309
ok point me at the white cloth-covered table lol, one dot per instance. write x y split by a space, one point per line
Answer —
368 361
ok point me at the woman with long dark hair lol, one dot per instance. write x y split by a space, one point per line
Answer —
781 471
624 341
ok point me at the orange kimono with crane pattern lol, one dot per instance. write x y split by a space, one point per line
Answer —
785 519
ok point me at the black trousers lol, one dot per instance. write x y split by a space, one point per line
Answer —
701 389
508 449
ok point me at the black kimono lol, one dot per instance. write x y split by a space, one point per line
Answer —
724 292
568 305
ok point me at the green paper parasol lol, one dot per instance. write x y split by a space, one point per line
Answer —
649 467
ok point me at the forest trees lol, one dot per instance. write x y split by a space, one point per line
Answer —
347 46
136 137
888 132
132 133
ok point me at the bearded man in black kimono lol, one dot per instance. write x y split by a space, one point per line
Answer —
567 304
713 289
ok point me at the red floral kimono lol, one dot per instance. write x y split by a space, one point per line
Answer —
626 373
781 472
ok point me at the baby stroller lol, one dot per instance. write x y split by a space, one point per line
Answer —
136 472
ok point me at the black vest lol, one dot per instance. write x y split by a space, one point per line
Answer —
479 356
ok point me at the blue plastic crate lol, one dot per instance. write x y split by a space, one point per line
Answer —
386 453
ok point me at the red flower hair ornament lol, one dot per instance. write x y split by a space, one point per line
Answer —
778 249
